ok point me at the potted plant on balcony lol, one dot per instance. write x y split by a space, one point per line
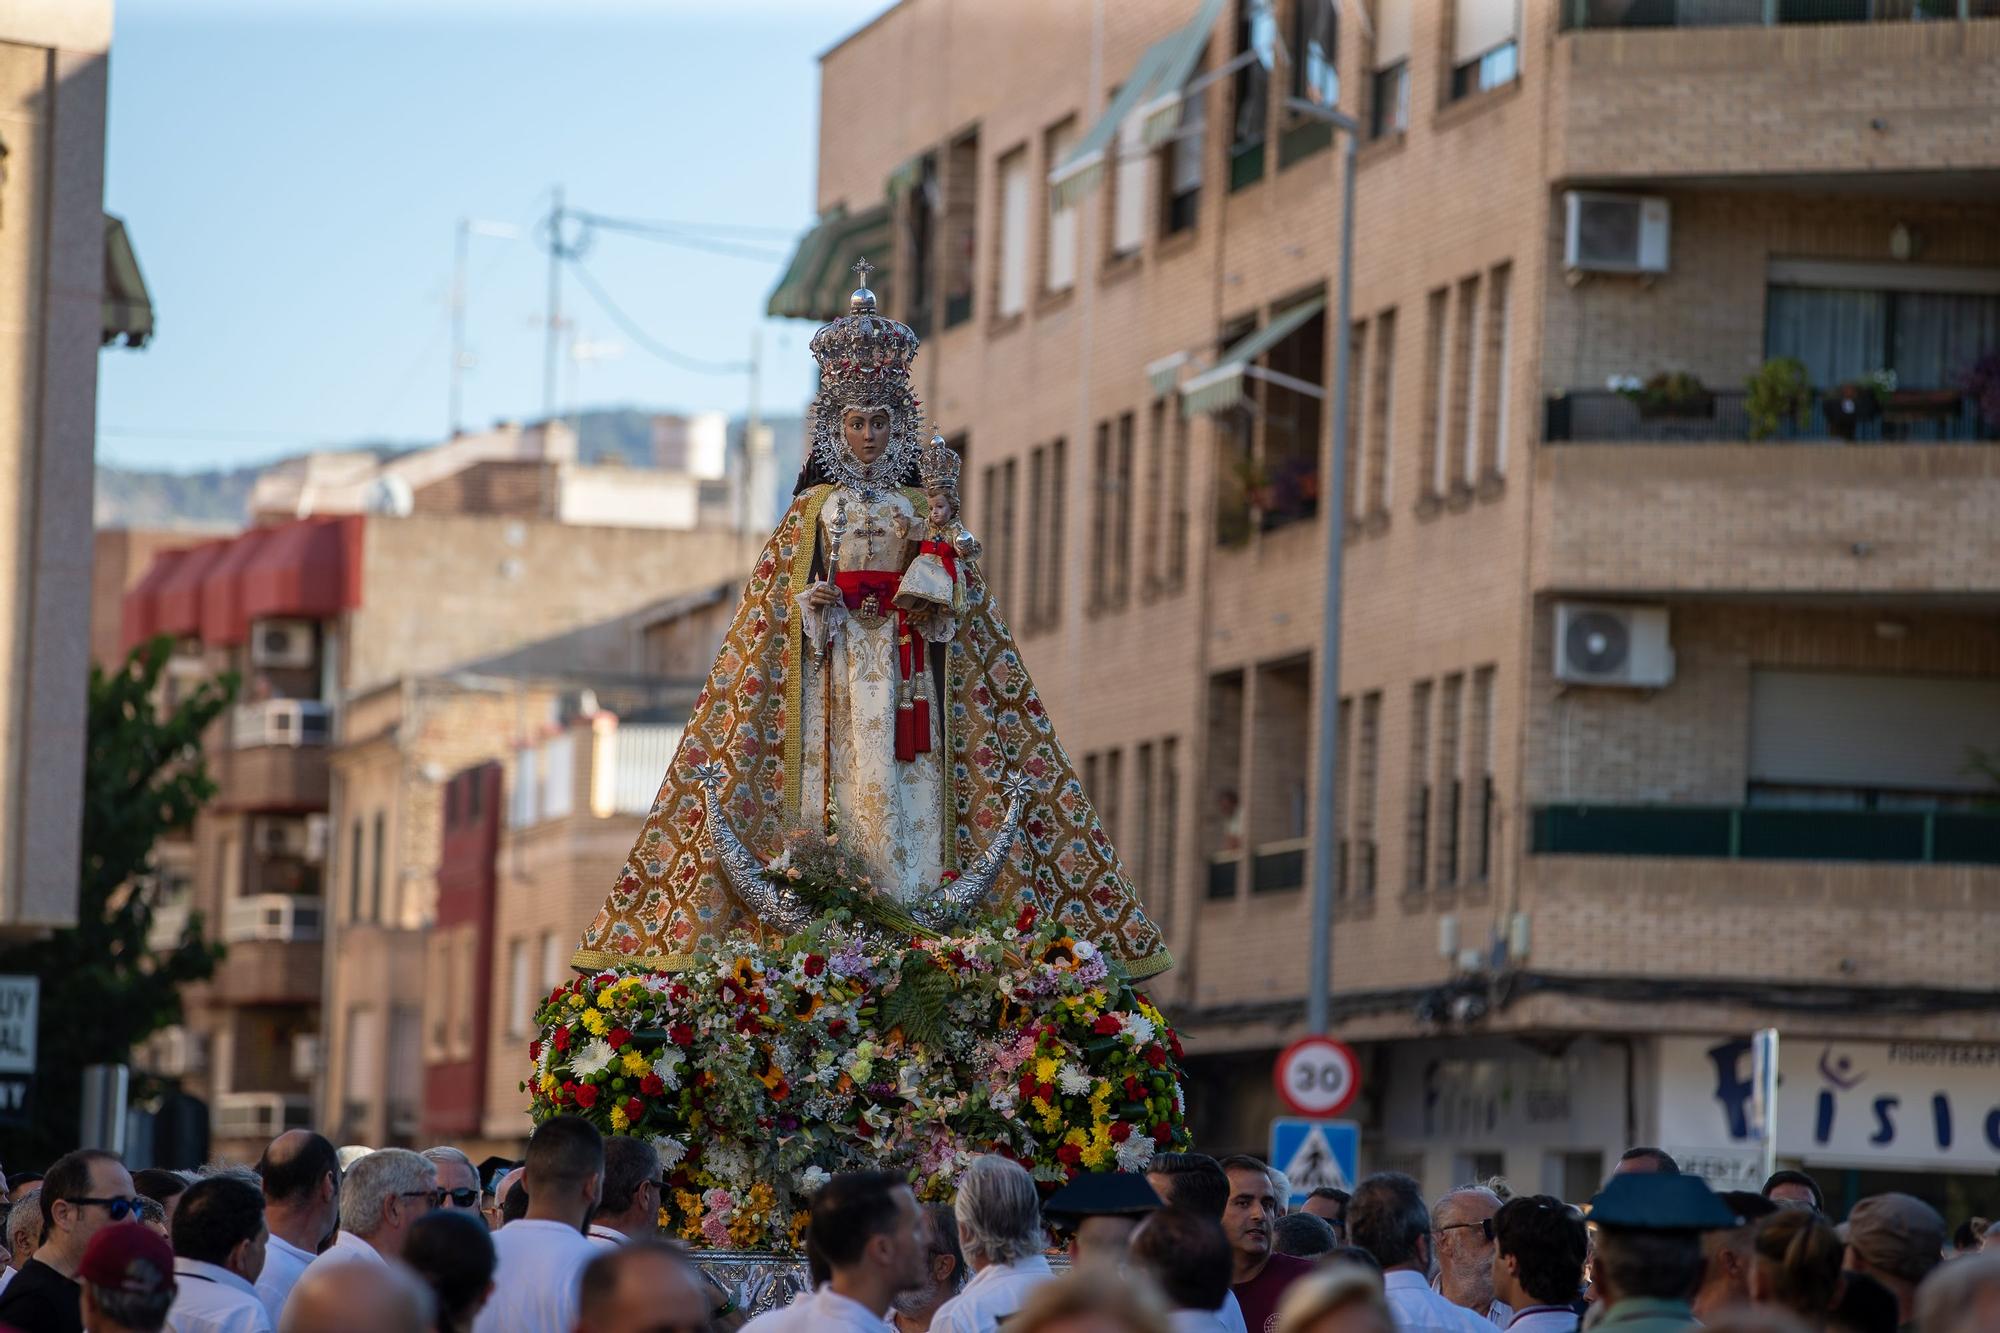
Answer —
1778 393
1853 403
1982 382
1670 394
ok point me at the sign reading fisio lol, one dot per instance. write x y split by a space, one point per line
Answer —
1317 1076
1923 1104
20 1001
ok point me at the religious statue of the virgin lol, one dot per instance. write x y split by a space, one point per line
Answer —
867 689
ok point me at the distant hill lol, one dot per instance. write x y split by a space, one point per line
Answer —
135 498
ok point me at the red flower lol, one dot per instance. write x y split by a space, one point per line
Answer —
1174 1040
1069 1155
1133 1092
1026 920
1156 1057
562 1039
836 1027
680 1034
814 964
652 1085
635 1110
618 1037
1120 1131
586 1095
1027 1087
566 1092
862 1129
1163 1134
1047 1092
534 1050
1105 1025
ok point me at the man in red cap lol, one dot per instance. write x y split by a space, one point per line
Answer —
128 1280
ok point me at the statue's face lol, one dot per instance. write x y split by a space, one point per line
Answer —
867 431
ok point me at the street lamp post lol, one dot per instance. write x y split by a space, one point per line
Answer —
1326 742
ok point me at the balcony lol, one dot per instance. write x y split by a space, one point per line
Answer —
1665 89
274 954
260 1116
272 917
280 722
1638 507
1917 417
1760 833
276 758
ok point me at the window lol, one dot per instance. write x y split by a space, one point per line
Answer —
1279 807
1224 835
917 211
1034 553
1449 789
1139 856
357 846
1479 791
1843 334
465 981
961 226
1437 392
1357 396
1491 426
1343 797
376 867
1845 740
1059 271
1292 426
996 490
1360 876
1156 495
1389 84
1417 816
1128 187
1111 804
1046 505
1381 400
1170 817
1460 461
1256 32
1177 504
1119 585
1484 53
1008 504
438 982
1184 161
1315 63
555 962
1100 520
1052 531
1011 277
520 989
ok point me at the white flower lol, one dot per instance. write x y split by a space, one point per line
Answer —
1138 1027
671 1151
1002 1100
909 1080
728 1161
1084 950
594 1058
542 1060
1134 1154
668 1066
811 1179
781 862
1073 1081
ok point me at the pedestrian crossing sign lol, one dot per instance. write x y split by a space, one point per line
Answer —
1315 1154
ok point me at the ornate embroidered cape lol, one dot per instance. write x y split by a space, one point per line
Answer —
670 895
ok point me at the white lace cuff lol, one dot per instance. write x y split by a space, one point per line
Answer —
817 624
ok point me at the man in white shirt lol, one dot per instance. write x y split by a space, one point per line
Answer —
1190 1258
381 1197
631 1205
867 1227
542 1256
381 1297
1462 1221
301 1178
643 1286
219 1240
1387 1218
1000 1229
1539 1243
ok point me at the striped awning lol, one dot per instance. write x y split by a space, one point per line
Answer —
1161 375
1221 387
817 281
1155 82
128 309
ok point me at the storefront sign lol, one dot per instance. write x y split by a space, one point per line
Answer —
20 1001
1922 1104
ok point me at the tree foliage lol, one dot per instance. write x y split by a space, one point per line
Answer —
104 989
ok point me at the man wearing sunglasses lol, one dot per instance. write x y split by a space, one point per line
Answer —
458 1179
1463 1224
83 1193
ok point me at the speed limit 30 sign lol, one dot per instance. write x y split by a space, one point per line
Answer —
1318 1076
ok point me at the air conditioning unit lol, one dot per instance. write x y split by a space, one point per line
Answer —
177 1052
305 1056
281 643
1605 644
319 832
282 837
1615 233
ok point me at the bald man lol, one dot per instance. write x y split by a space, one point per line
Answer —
301 1177
382 1298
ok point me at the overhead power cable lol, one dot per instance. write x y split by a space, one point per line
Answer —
645 340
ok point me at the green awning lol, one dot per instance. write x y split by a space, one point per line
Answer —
1078 174
1222 386
1183 53
906 177
817 281
128 310
1162 374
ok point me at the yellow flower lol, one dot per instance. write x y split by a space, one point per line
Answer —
1077 1136
549 1084
594 1022
619 1122
1045 1069
634 1062
576 1001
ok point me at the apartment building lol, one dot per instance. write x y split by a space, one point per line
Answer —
69 284
1655 701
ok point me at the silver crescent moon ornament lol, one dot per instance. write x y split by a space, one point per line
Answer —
740 866
973 889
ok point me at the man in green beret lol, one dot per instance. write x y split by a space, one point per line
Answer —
1649 1259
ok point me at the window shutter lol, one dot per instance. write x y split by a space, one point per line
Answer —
1392 32
1014 234
1128 224
1479 26
1833 729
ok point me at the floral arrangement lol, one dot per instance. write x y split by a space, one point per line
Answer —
1671 393
766 1066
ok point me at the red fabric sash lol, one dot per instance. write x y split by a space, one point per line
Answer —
913 716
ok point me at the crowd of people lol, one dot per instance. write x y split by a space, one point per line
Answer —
318 1240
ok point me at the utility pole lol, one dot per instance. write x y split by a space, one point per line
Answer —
460 241
551 338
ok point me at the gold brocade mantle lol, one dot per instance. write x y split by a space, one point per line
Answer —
670 895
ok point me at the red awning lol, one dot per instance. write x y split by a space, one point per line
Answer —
140 612
310 569
223 621
178 610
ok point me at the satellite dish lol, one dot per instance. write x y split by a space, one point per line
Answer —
391 495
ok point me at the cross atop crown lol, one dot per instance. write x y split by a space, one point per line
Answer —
862 268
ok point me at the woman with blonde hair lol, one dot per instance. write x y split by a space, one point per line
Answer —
1339 1298
1087 1303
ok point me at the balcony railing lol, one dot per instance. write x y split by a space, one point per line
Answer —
280 722
1768 833
261 1116
1760 13
1603 416
274 917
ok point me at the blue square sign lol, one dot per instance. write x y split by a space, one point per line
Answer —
1315 1154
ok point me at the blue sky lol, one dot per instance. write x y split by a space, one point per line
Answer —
292 171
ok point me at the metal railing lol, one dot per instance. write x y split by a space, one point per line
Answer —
281 722
1604 416
1764 13
281 918
1768 833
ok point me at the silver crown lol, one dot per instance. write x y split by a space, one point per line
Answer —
939 465
864 355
